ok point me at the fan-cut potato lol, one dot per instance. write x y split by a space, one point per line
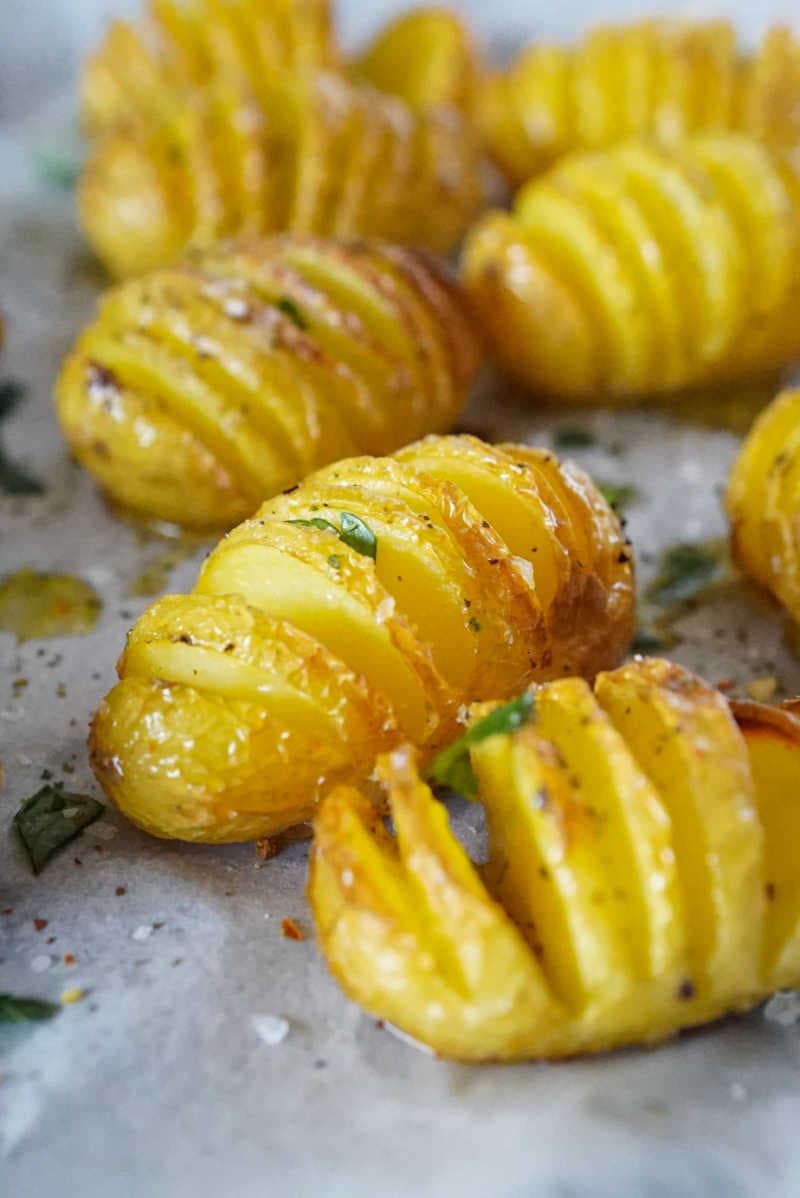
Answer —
362 608
138 69
666 80
203 389
305 153
639 270
642 874
763 501
426 56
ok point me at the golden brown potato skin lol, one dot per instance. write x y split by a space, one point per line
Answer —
306 152
299 656
642 875
201 390
138 68
638 270
763 501
665 80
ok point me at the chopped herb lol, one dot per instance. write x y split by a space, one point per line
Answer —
52 818
618 495
684 571
58 170
316 522
353 532
335 561
14 1009
358 535
646 641
452 767
290 309
574 436
474 625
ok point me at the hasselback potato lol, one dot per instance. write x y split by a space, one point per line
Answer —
308 153
666 80
763 501
426 56
642 873
203 389
362 608
139 69
637 270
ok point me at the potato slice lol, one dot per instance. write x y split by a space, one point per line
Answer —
685 740
772 736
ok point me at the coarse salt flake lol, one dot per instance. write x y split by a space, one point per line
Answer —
270 1029
143 932
784 1008
41 963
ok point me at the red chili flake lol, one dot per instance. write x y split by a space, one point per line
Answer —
40 924
726 684
98 848
121 890
7 911
69 959
50 940
291 930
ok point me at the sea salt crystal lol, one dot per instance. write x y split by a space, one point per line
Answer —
784 1008
143 932
41 963
104 831
270 1029
737 1092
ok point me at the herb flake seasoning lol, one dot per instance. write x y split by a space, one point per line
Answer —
50 819
452 767
290 309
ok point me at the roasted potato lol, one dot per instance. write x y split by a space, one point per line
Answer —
360 609
643 872
763 501
201 390
138 70
665 80
637 270
426 56
307 153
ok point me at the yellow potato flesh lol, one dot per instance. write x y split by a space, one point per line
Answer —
773 744
424 56
316 600
685 741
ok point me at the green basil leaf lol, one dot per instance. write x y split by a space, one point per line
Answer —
15 480
290 309
57 169
358 535
618 495
52 818
574 437
317 522
452 767
15 1009
646 641
685 570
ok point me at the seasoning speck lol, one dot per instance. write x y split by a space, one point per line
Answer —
291 930
143 932
761 690
42 963
72 995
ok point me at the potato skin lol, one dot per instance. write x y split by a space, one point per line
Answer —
665 80
201 390
624 898
638 270
763 501
298 657
137 69
307 152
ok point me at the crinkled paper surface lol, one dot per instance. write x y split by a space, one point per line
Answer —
175 1075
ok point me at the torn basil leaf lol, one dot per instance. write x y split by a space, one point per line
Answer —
15 1009
684 571
290 309
358 535
574 436
618 495
452 767
353 532
52 818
